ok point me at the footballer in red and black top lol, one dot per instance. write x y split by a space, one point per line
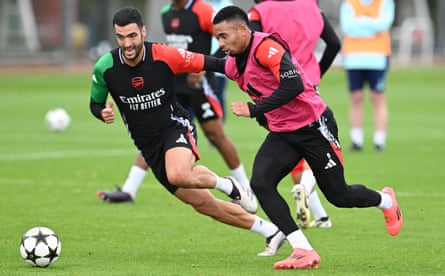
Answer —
188 25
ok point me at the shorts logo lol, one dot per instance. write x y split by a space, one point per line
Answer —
181 139
137 82
331 163
208 112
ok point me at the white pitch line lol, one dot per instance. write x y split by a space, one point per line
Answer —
64 154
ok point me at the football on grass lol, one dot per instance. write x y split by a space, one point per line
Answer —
40 246
57 119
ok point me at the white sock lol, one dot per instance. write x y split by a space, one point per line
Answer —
379 138
134 180
308 180
315 206
263 227
298 240
386 201
240 174
357 136
224 185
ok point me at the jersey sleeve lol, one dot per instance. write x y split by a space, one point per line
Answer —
255 20
179 60
278 60
99 88
206 13
269 54
254 15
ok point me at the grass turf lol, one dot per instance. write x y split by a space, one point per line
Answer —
50 179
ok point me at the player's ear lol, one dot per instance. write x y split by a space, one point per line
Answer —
144 31
243 28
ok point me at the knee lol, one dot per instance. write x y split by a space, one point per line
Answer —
259 186
178 178
214 138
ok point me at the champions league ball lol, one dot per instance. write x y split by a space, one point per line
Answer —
40 246
57 119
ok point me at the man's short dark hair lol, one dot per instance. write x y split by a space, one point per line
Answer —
127 16
231 13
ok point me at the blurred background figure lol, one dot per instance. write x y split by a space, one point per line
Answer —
365 25
221 79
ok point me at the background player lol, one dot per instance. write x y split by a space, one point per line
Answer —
365 25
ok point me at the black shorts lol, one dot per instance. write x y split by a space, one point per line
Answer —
154 154
202 102
317 143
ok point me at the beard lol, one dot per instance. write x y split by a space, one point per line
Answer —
137 50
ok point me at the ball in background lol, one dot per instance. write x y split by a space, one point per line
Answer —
57 119
40 246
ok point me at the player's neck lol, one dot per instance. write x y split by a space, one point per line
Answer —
179 4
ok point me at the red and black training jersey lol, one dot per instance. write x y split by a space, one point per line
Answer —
189 28
144 93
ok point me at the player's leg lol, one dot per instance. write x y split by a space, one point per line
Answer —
178 168
272 163
209 114
377 84
356 99
321 218
300 194
214 131
201 199
205 203
221 92
131 185
136 176
324 156
232 214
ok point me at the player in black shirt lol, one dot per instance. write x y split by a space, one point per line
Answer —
188 25
139 77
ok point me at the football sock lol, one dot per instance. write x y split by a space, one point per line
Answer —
357 136
224 185
134 180
315 206
240 174
298 240
263 227
379 138
386 201
308 180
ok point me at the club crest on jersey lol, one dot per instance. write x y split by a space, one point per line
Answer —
137 82
175 23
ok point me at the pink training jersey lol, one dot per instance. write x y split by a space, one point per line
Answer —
306 108
300 26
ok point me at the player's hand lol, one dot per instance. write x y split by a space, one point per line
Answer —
240 109
194 80
108 113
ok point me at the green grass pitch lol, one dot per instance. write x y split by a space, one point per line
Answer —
50 179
